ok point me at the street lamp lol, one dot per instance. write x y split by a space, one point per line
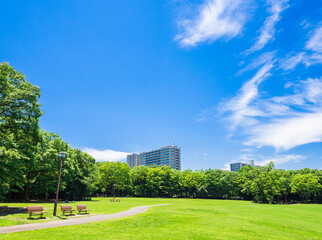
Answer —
114 189
61 155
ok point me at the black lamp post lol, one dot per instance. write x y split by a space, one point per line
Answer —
61 155
114 189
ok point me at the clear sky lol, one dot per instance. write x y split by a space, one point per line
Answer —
226 80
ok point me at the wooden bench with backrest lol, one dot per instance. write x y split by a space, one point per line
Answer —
66 208
35 210
117 200
82 208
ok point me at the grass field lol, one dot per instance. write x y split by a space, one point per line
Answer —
185 219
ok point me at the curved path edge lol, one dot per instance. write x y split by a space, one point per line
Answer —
75 221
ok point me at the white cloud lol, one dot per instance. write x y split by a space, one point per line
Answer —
290 62
301 126
106 155
284 134
215 19
306 93
281 159
312 56
315 42
260 160
258 61
247 150
226 167
239 106
267 31
282 122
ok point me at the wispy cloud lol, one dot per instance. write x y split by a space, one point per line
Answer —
242 113
106 155
301 123
258 62
291 61
215 19
261 160
310 55
267 31
281 159
315 42
282 122
285 134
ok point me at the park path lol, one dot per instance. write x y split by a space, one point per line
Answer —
74 221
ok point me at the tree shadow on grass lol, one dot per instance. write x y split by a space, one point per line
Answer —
5 210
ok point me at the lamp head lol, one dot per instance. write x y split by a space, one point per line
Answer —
62 154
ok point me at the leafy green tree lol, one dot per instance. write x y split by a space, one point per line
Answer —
285 179
212 183
19 128
259 182
161 182
190 182
117 173
139 180
228 185
81 175
306 186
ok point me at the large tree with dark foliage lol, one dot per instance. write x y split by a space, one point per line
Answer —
29 156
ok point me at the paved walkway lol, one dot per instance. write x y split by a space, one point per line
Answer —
74 221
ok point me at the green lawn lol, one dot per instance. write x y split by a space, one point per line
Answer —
186 219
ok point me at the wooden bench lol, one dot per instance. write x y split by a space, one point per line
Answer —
82 208
117 200
66 208
112 200
35 210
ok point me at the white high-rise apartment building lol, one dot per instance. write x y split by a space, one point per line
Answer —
169 156
133 160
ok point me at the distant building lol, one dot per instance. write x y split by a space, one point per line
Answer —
251 162
234 167
133 160
169 156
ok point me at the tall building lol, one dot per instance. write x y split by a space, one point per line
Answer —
234 167
169 156
133 160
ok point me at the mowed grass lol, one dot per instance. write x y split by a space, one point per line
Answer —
191 219
96 205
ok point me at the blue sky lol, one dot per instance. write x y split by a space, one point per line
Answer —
226 80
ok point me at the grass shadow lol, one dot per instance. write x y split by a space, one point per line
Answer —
38 218
69 215
83 213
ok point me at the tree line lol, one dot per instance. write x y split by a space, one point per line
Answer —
260 184
29 165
